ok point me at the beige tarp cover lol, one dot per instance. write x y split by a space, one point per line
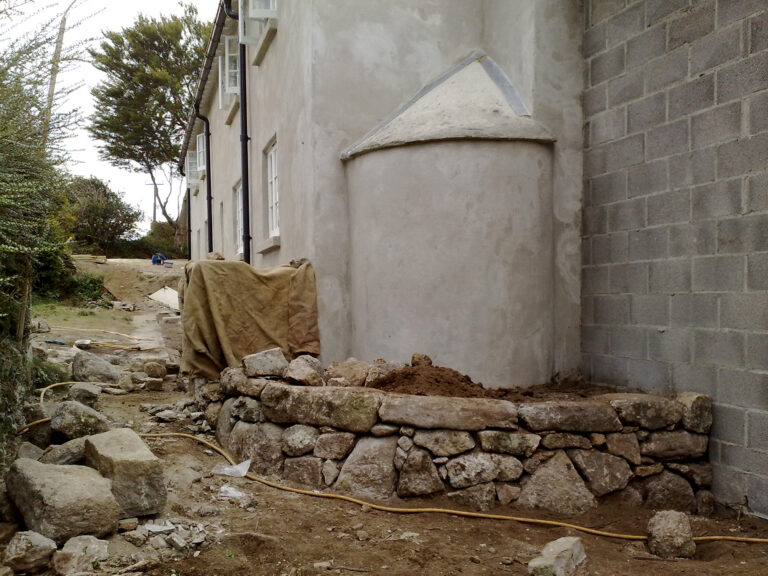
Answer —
230 310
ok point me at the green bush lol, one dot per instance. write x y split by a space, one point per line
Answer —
15 387
44 374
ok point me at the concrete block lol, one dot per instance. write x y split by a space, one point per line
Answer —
741 156
595 339
715 49
594 161
743 77
745 311
691 96
667 276
595 100
610 248
721 124
612 310
650 310
758 113
625 88
586 367
728 423
693 239
757 492
757 429
627 215
622 153
587 310
695 167
628 342
595 220
757 192
647 178
687 377
694 310
649 376
718 273
729 11
670 345
743 458
744 234
601 9
667 140
758 32
666 70
719 348
648 244
610 370
716 200
594 40
595 279
586 251
606 126
731 484
669 207
757 271
757 351
646 113
693 25
629 278
606 65
647 46
609 187
625 25
658 9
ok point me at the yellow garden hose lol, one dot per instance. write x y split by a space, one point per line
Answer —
97 330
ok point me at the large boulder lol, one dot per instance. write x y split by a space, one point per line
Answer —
80 555
604 473
334 445
570 416
305 370
299 439
72 452
29 551
471 469
85 393
247 409
670 536
624 445
508 467
60 502
369 470
418 476
668 491
261 443
480 497
88 367
270 363
444 442
514 443
137 474
644 410
556 487
306 470
433 412
74 420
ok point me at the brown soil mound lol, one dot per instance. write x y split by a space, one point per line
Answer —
440 381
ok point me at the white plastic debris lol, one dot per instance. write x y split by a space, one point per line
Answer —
231 492
238 471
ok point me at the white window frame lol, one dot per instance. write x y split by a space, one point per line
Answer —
273 189
237 199
200 141
193 177
262 9
231 64
224 96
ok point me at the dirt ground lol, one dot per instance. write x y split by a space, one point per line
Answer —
274 533
133 279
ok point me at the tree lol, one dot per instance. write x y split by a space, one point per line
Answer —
142 107
102 218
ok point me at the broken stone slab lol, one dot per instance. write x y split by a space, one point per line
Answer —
247 409
700 473
305 370
137 475
561 557
29 551
605 473
675 445
29 450
306 470
668 491
433 412
480 497
354 370
560 440
85 393
299 439
74 420
556 487
81 554
644 410
60 502
88 367
444 442
369 470
418 476
270 362
351 409
334 445
471 469
570 416
697 411
514 443
624 445
509 468
155 369
261 443
72 452
670 536
507 493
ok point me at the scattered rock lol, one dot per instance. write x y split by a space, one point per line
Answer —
667 491
306 470
299 439
88 367
124 306
334 445
418 359
127 524
137 475
509 468
85 393
330 472
155 370
74 420
669 535
81 554
369 470
471 469
205 392
700 473
261 443
176 541
444 442
418 476
605 473
480 497
29 450
434 412
556 487
644 410
514 443
305 370
559 440
247 409
561 557
570 416
139 536
72 452
29 551
624 445
697 411
39 326
675 445
267 363
352 369
507 493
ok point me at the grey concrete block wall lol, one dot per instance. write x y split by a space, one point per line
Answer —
675 221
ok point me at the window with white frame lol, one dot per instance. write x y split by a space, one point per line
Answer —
225 98
193 178
273 190
231 64
253 14
200 153
237 200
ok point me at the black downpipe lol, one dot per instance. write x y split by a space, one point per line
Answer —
189 224
208 194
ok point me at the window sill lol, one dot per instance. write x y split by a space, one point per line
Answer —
233 109
266 39
268 245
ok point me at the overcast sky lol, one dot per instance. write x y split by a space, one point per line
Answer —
97 17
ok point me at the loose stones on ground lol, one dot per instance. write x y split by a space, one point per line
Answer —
669 535
29 551
561 557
